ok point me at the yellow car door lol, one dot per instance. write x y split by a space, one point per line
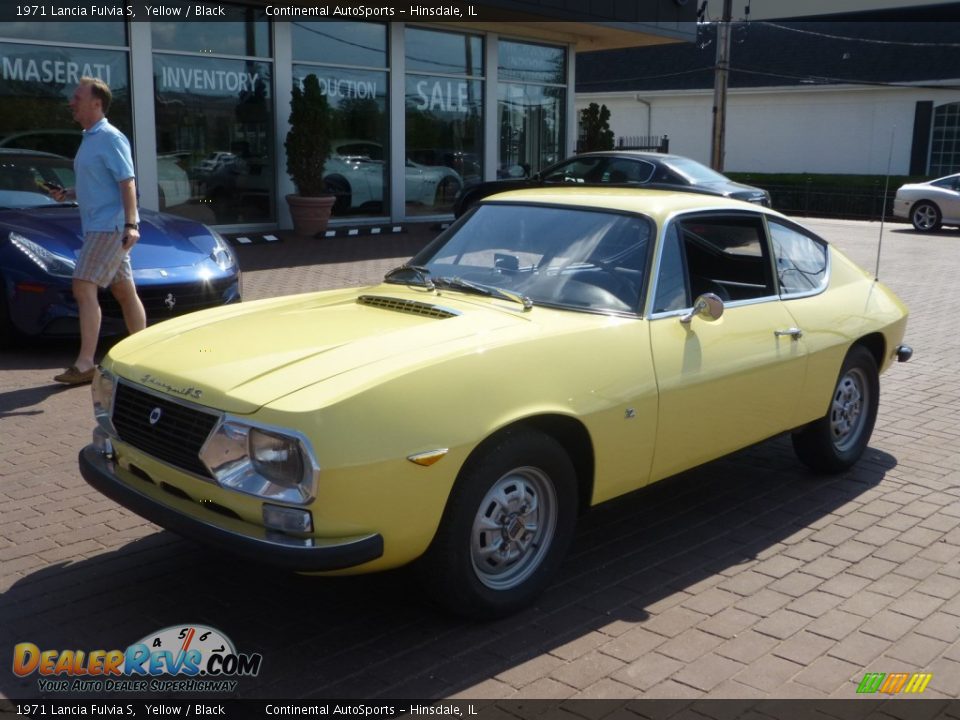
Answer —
725 382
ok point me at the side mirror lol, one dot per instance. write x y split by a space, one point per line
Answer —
708 306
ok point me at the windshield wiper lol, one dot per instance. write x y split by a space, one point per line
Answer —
420 275
456 283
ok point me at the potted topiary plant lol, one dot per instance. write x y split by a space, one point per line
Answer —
308 147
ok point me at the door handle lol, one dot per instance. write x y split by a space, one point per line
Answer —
794 332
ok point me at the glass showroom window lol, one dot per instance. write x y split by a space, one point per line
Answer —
444 118
349 59
214 118
945 149
36 84
531 106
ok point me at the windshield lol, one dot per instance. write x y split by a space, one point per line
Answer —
22 176
592 260
695 172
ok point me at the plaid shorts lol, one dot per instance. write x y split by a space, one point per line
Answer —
102 259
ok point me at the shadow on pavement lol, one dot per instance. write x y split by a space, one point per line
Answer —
293 251
376 636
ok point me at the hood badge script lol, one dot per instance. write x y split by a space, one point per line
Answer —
190 392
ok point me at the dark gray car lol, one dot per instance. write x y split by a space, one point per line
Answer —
623 168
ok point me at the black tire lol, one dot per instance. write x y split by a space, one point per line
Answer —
336 185
461 206
7 332
836 441
926 216
447 191
491 555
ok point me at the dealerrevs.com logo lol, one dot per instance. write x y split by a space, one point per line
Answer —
180 658
894 683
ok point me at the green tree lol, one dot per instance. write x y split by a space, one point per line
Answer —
308 142
595 132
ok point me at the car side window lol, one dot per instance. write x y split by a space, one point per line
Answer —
727 255
622 170
801 259
579 170
672 292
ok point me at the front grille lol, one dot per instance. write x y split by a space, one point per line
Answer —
166 301
175 438
407 306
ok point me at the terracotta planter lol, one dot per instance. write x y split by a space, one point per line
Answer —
310 214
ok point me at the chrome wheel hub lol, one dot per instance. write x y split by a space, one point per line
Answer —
925 217
846 411
513 528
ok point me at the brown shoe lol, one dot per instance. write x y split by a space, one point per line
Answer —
72 376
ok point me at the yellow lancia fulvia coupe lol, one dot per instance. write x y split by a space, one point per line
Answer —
552 349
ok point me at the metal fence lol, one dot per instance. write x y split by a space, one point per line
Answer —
865 202
654 143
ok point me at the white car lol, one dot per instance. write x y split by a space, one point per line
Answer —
930 205
355 171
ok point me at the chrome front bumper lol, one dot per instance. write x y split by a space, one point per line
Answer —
183 517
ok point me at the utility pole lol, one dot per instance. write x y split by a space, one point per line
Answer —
721 71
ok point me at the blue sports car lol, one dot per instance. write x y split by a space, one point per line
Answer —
178 265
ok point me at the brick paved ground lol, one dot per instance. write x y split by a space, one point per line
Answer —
745 578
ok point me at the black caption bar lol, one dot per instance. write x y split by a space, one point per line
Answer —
862 709
312 10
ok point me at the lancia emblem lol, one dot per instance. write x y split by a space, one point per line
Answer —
169 301
155 415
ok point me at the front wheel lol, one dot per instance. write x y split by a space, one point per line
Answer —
926 216
836 441
506 528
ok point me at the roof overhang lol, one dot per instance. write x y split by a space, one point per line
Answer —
586 37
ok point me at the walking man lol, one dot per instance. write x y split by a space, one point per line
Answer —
106 192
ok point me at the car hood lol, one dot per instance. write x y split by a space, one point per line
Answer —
239 358
166 242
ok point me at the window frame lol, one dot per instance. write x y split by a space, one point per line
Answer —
790 225
677 218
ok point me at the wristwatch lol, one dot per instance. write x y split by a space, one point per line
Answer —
132 226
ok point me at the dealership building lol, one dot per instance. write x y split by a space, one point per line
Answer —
418 110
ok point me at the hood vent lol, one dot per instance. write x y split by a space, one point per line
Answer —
412 307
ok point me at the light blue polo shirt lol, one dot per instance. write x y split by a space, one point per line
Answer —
102 161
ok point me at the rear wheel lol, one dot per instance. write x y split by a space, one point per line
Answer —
926 216
506 528
336 185
836 441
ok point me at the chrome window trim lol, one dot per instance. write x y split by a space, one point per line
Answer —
786 222
653 285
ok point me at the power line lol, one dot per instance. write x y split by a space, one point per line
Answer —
872 41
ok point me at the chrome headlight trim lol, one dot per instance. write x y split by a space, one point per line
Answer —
103 391
227 455
222 254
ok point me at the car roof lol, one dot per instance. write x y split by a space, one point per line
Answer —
638 154
658 203
5 151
